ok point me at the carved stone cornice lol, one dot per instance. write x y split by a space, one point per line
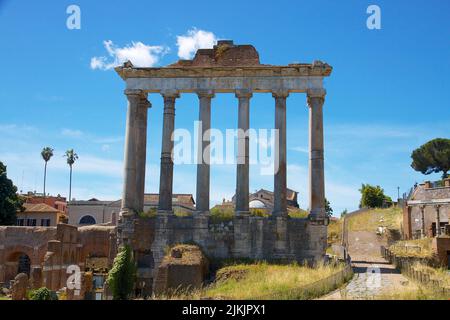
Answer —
292 70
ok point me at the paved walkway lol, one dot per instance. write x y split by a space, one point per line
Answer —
373 276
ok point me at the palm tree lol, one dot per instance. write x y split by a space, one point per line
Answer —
46 154
71 158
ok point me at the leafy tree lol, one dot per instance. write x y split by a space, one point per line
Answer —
372 196
46 154
122 275
71 157
433 156
328 209
343 213
10 202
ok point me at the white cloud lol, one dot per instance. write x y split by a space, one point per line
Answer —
140 54
300 149
106 147
193 40
71 133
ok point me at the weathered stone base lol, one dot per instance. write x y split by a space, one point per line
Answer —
279 238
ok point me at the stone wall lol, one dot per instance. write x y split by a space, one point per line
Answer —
243 237
52 249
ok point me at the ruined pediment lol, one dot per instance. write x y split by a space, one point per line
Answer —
225 54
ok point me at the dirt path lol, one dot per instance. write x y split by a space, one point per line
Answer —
373 275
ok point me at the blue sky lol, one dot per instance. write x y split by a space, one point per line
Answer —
388 93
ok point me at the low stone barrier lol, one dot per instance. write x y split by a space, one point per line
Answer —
406 266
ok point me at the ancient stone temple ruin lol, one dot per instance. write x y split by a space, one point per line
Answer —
227 68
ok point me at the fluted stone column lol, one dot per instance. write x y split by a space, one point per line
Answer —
130 187
242 170
141 150
203 159
166 174
280 201
438 221
316 99
422 221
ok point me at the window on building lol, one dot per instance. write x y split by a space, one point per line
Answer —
20 222
31 222
45 222
86 220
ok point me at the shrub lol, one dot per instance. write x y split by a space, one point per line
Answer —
42 294
122 275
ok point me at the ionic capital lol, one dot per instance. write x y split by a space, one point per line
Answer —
244 93
144 103
280 93
316 94
170 94
135 92
205 93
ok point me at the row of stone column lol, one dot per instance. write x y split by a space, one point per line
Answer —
438 220
135 150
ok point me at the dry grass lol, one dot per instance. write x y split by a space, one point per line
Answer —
268 281
418 248
391 218
439 274
298 213
413 292
263 281
334 232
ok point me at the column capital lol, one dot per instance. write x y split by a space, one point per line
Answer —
316 92
135 92
437 206
244 93
205 93
170 94
144 103
280 93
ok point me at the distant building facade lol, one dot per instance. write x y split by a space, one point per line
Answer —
263 200
39 215
58 202
94 211
427 207
427 214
